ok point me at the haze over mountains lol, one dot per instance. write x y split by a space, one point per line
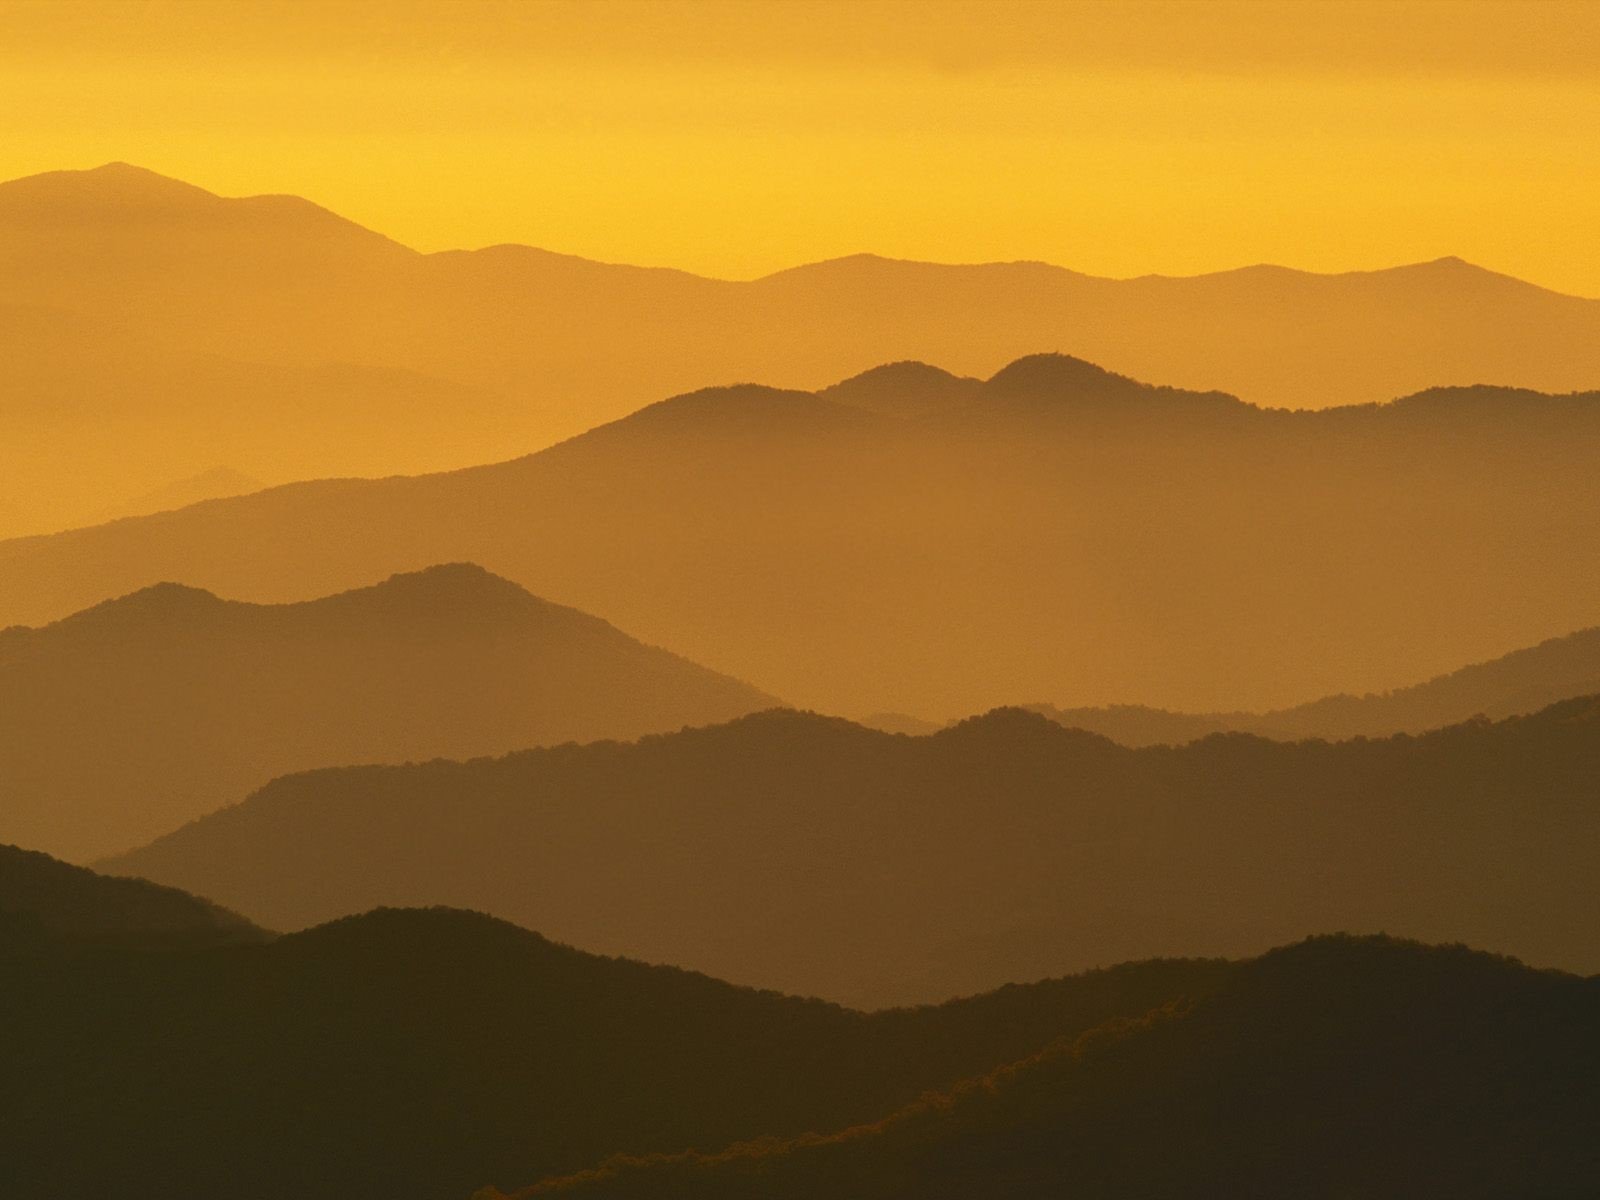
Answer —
180 493
811 855
1520 682
130 718
162 328
1055 531
950 490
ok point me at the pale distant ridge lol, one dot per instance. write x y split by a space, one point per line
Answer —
1522 681
208 485
282 339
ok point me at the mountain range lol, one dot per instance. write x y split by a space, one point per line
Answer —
1338 1067
907 541
127 719
415 1053
157 327
814 856
424 1053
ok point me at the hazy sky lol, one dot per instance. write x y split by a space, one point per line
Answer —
735 139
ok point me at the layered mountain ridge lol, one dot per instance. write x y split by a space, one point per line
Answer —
815 856
134 716
939 546
185 328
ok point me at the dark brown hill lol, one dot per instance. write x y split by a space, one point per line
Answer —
42 897
1334 1068
420 1054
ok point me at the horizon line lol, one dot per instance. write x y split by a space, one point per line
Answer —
1446 260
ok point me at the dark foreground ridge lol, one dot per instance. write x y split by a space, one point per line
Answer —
417 1054
1337 1067
43 898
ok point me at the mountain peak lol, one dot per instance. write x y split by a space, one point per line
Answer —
1054 371
446 588
908 370
114 183
157 604
903 389
1073 383
1010 723
733 409
122 199
165 596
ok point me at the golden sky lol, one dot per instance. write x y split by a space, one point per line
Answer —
736 139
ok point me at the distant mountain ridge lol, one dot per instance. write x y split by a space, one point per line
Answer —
180 493
815 856
1055 531
131 717
188 318
1523 681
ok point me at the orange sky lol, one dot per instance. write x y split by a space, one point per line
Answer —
735 139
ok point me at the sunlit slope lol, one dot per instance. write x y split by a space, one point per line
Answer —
812 855
141 713
1062 533
273 335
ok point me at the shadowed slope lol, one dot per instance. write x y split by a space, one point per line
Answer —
134 716
809 854
1333 1068
420 1054
40 896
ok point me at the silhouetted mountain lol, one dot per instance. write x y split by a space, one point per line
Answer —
1523 681
1334 1068
425 1053
815 856
905 389
129 718
42 897
337 351
1065 533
